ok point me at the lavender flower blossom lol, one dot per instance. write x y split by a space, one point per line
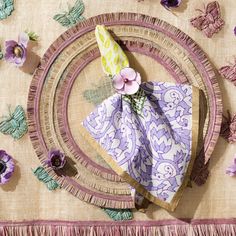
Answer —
6 167
56 159
170 3
127 81
16 52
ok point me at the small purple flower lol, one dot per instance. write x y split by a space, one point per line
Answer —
170 3
231 170
235 30
16 51
56 159
6 167
127 81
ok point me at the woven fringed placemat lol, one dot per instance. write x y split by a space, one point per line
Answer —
69 83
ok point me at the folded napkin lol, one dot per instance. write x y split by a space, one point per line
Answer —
147 132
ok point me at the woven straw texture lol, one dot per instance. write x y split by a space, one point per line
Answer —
207 201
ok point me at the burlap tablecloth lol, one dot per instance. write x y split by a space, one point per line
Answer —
25 198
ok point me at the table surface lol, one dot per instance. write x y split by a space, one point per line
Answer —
25 198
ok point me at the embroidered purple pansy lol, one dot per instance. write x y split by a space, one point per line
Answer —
56 159
170 3
231 170
16 51
127 81
6 167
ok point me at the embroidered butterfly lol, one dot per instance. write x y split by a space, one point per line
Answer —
6 8
15 125
229 72
100 92
44 177
119 214
228 128
73 15
210 21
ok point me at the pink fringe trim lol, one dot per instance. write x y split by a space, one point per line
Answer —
185 227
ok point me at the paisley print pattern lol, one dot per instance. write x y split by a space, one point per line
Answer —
153 148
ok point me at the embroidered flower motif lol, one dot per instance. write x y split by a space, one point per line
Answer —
235 30
16 51
170 3
6 8
56 159
6 167
228 128
231 170
127 81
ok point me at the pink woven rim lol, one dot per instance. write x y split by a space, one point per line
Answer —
72 34
79 66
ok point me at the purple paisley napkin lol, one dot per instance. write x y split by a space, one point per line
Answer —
152 148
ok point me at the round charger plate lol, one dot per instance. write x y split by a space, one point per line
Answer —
70 82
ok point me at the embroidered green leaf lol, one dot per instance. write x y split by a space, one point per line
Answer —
73 16
136 100
43 176
15 124
119 214
32 35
